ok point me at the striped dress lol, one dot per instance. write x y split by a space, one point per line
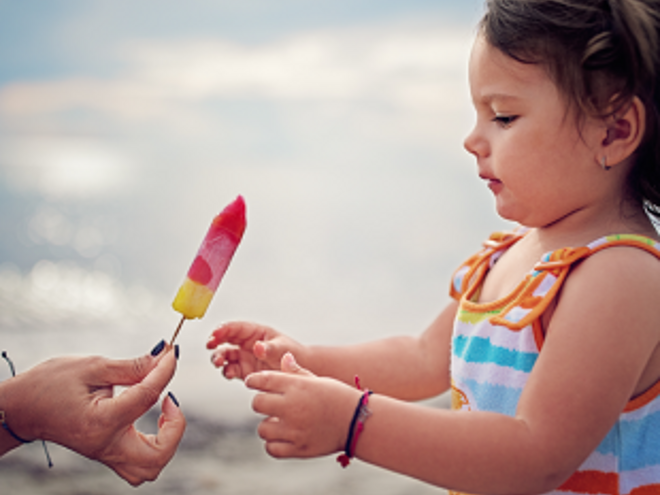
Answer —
495 346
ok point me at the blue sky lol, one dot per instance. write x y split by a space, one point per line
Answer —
41 40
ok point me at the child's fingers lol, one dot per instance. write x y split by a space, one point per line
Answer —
224 354
280 440
272 351
233 370
239 333
290 365
235 363
267 381
281 450
270 429
269 404
268 352
218 359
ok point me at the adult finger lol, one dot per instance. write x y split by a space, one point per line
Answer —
171 426
142 457
136 469
133 474
103 371
138 399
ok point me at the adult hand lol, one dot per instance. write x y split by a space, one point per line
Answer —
242 348
307 416
71 401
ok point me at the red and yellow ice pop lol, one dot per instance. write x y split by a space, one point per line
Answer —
211 263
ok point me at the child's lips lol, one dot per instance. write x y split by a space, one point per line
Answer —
494 184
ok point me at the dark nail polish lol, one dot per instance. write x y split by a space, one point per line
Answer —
171 396
158 349
176 351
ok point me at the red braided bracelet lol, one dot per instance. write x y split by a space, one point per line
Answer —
360 415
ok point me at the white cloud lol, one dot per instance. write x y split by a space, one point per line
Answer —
63 167
411 68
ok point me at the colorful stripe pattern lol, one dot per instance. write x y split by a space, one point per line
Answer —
495 346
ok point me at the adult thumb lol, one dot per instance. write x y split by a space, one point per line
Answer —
290 365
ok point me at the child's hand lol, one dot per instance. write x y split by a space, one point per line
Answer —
242 348
307 416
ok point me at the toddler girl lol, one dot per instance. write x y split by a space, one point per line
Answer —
551 344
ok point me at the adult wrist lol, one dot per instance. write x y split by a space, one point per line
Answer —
13 418
10 417
11 395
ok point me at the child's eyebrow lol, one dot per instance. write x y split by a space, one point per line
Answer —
499 97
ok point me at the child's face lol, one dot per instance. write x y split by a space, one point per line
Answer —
529 149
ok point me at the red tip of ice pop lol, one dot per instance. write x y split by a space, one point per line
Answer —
219 245
232 218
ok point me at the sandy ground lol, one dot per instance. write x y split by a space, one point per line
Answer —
212 459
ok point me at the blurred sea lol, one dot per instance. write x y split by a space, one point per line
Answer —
345 138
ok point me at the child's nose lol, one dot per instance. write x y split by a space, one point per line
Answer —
475 144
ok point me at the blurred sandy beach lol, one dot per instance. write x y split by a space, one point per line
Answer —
214 458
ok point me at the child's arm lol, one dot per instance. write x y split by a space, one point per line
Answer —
601 345
407 367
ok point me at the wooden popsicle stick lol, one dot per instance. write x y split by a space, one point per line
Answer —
176 332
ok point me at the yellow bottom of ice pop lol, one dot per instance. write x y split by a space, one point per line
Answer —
192 299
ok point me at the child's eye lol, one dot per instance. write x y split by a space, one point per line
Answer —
505 120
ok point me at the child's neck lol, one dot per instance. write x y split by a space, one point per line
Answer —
582 227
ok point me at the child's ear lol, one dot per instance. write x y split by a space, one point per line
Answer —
624 132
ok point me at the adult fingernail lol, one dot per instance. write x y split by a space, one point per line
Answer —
171 396
176 351
158 348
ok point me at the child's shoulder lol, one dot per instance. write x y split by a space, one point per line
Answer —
627 253
625 264
611 297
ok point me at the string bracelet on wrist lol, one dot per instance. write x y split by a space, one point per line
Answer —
362 412
3 416
3 421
